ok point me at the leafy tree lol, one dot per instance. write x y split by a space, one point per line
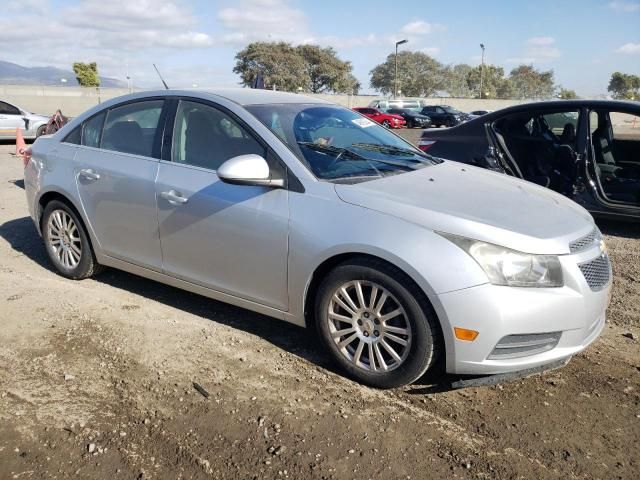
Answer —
418 74
326 72
87 74
624 86
494 84
567 94
455 80
531 83
281 65
308 67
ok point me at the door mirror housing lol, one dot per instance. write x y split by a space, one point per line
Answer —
248 169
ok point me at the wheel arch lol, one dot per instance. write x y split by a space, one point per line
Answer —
333 261
51 195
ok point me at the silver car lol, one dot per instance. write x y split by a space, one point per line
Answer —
13 117
311 213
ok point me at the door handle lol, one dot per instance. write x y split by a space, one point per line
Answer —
174 198
89 174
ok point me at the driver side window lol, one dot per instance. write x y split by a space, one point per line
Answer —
204 136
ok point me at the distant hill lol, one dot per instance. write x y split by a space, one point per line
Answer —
14 74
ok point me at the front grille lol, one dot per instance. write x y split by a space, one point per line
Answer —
585 242
597 272
515 346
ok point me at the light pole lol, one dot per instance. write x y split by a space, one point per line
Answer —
395 82
481 69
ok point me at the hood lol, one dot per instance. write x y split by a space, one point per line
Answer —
472 202
395 115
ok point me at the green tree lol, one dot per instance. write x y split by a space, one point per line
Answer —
455 80
87 74
418 74
624 86
567 94
530 83
326 72
494 84
281 65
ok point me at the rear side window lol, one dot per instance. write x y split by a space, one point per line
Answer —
74 136
204 136
132 128
92 130
625 126
6 109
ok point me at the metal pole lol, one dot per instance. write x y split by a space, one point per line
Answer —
482 71
395 82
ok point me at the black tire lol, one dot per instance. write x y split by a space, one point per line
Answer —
41 130
386 124
87 264
425 343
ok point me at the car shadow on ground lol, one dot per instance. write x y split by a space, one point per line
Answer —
619 229
21 234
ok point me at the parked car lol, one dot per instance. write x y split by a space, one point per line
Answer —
588 150
387 120
444 115
13 117
411 117
310 213
385 103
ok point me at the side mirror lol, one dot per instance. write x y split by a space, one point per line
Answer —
248 170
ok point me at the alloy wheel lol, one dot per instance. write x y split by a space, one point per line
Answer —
64 239
369 326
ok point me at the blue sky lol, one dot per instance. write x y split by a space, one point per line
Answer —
194 41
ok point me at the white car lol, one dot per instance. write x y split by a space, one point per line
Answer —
13 117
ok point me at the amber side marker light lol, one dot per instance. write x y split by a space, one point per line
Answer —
465 334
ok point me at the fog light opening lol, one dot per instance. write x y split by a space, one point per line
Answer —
465 334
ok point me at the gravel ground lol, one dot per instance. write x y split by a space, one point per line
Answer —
97 381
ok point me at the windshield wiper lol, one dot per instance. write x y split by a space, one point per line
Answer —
393 150
354 156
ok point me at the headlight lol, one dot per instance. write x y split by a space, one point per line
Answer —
504 266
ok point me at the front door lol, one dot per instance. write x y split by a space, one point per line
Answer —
230 238
115 169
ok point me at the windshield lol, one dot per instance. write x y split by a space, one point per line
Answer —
337 144
450 109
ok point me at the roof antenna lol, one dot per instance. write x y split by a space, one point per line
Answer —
166 87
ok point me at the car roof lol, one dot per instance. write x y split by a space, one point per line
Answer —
558 104
241 96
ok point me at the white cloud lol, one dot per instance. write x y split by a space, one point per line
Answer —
267 20
541 41
624 6
537 50
629 49
431 51
420 27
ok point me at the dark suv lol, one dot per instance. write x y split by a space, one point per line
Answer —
443 115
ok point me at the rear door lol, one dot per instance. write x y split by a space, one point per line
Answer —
230 238
115 169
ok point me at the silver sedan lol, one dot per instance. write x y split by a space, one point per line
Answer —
309 212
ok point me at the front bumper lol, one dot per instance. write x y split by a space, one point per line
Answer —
575 312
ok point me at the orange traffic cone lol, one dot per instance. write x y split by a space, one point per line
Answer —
21 147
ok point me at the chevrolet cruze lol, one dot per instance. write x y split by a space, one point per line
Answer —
311 213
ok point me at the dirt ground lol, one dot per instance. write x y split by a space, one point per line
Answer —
97 381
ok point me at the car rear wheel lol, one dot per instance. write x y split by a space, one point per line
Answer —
67 242
386 124
375 324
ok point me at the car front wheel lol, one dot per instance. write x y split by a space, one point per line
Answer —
386 124
376 324
67 242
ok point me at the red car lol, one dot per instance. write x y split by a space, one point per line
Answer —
385 119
